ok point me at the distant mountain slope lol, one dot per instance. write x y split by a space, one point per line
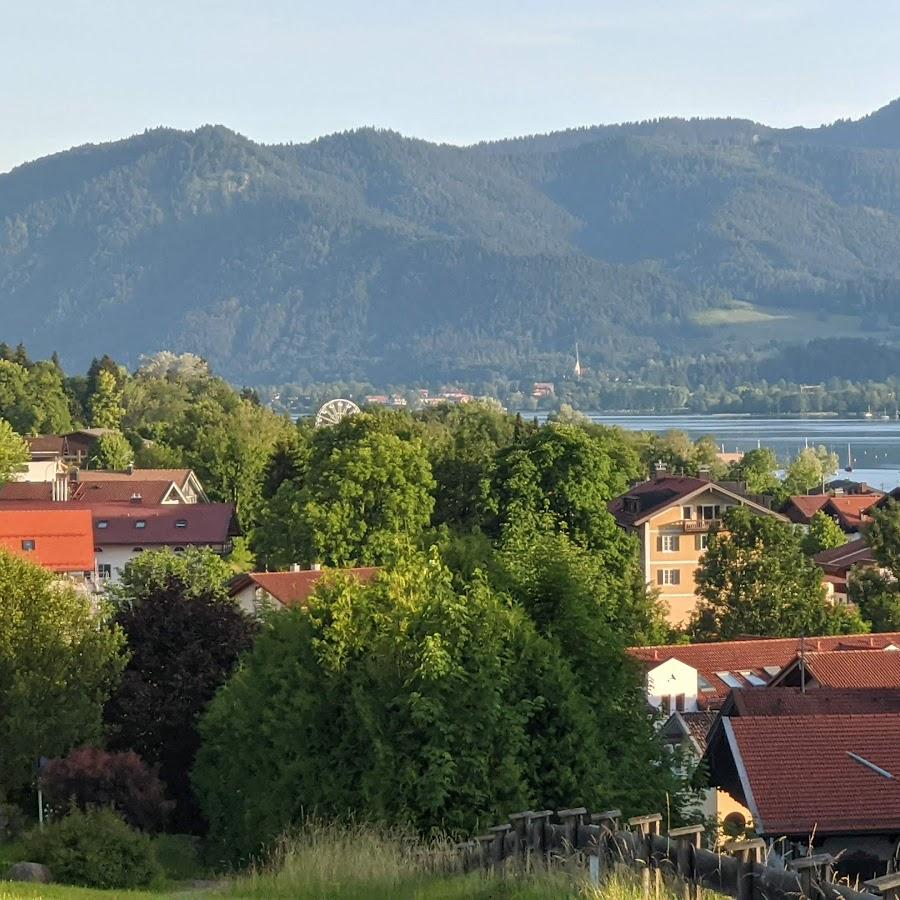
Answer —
370 255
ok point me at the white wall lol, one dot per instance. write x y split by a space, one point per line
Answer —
43 470
669 679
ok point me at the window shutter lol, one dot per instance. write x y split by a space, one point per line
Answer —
676 543
679 702
659 543
659 576
675 576
698 542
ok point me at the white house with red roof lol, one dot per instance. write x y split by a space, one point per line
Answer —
258 591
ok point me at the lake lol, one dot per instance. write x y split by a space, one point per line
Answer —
874 444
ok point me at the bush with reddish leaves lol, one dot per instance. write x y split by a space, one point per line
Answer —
91 777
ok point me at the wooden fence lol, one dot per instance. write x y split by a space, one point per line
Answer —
574 838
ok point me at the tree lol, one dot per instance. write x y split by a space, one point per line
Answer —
824 533
59 661
754 579
198 572
876 591
466 712
364 496
183 645
808 471
14 452
105 403
758 470
90 777
112 452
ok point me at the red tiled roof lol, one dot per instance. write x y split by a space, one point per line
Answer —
734 657
151 492
839 560
850 511
62 538
855 668
804 780
793 701
294 588
800 509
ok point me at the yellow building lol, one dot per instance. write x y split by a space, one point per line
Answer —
672 516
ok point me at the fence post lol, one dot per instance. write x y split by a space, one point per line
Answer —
520 822
647 826
887 886
540 837
747 853
499 847
484 851
812 872
689 838
571 819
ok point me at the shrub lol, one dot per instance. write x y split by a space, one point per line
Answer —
90 776
96 849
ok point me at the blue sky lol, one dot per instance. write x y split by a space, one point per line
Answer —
76 71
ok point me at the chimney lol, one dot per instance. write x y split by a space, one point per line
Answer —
137 498
703 473
73 474
130 468
60 492
659 468
296 567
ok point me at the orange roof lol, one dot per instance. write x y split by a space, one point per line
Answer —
850 511
294 588
828 774
763 658
61 540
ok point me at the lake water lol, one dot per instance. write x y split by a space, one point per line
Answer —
874 444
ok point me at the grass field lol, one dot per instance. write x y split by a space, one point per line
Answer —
323 862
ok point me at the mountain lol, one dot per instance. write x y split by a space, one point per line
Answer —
367 255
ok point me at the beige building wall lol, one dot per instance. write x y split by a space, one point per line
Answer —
673 541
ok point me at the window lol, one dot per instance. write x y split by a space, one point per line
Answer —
140 523
729 679
104 570
28 545
103 523
179 549
668 576
137 549
703 684
632 504
181 523
772 670
701 541
669 543
687 512
708 513
753 678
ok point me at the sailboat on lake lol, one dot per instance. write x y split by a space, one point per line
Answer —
849 466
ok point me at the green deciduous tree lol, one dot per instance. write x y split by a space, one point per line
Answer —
113 452
184 643
824 533
876 591
364 496
198 572
13 452
808 471
758 470
105 403
465 708
58 662
754 579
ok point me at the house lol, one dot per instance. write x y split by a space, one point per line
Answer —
60 540
871 668
838 564
151 486
256 591
849 511
73 448
690 677
672 516
825 779
542 389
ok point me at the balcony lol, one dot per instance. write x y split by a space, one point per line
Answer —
696 526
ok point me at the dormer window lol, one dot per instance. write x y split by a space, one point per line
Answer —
103 523
140 523
632 504
28 545
181 523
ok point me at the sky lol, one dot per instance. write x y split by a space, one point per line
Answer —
79 71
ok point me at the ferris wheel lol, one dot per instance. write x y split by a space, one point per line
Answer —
335 410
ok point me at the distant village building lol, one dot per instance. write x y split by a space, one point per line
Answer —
258 591
672 516
542 389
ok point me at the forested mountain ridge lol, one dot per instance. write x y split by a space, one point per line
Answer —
370 255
